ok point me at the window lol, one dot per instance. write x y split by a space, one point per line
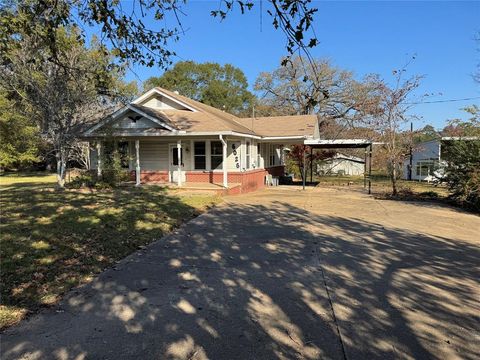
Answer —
200 155
175 156
247 155
272 155
426 167
258 155
216 154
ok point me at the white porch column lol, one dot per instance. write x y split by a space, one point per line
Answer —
179 157
224 162
137 162
99 158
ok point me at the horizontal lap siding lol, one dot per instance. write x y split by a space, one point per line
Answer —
153 156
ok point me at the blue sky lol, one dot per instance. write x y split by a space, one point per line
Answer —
364 37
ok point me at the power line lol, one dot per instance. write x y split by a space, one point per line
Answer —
443 101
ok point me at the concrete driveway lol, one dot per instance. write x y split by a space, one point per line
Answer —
280 274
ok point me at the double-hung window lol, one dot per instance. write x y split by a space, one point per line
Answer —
216 154
200 155
247 155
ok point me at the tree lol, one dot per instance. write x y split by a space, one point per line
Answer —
19 142
316 87
61 97
462 171
122 25
224 87
393 112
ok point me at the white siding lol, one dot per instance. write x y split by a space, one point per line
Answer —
153 155
160 102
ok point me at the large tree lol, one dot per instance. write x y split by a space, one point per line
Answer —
224 87
60 96
315 87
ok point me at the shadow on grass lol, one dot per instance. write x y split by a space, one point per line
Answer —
247 281
52 241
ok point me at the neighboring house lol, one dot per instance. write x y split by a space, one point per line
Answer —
341 164
165 137
427 161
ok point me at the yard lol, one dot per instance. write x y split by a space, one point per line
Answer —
382 185
52 241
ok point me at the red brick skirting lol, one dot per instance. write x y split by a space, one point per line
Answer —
249 180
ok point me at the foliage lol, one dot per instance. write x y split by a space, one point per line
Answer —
223 87
122 26
302 155
302 87
471 127
64 238
427 133
462 173
19 141
62 97
392 113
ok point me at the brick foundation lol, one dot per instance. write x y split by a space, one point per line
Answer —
249 180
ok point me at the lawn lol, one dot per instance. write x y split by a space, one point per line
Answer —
52 241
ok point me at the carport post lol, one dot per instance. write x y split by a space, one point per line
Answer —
304 166
370 169
365 170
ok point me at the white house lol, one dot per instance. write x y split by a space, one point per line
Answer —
341 164
427 162
165 137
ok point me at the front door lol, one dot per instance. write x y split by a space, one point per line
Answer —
173 164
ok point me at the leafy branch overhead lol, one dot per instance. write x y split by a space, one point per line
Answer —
138 31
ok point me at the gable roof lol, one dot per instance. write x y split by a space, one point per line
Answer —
196 117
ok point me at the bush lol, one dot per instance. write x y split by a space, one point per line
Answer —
81 181
462 173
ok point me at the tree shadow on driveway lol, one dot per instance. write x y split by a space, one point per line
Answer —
248 282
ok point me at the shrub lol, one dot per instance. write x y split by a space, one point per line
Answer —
462 173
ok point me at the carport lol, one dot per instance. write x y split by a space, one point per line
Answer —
343 144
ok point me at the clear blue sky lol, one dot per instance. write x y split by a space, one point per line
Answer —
364 37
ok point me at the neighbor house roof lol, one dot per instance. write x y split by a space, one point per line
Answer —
197 117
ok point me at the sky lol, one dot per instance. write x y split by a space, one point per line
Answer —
361 36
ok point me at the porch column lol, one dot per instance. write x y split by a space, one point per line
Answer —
99 158
179 157
137 162
224 162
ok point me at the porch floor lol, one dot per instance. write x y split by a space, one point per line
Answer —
201 186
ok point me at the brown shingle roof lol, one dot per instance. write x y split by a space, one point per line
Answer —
296 125
211 119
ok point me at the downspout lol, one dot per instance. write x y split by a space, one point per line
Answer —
224 161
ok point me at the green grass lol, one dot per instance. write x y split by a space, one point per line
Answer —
52 241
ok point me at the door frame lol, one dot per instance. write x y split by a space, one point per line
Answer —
173 169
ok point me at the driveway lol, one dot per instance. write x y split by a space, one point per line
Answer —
281 273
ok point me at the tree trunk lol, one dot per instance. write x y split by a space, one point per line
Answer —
61 157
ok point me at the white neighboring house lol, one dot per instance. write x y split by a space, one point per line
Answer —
342 164
427 162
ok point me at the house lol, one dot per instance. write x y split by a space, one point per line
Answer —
426 159
165 137
341 164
